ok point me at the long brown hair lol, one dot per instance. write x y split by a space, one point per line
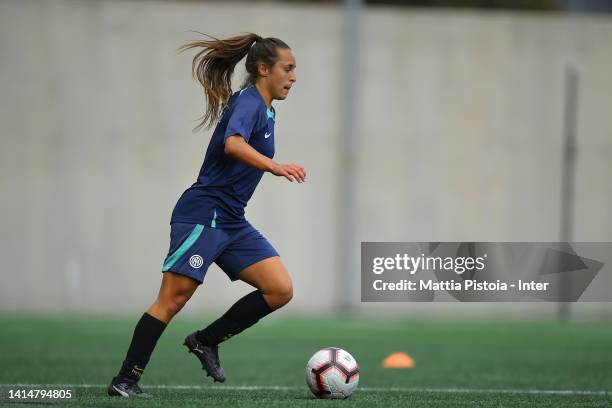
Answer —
214 65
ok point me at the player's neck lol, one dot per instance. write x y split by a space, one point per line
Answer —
267 97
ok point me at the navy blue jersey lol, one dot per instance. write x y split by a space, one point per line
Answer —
225 185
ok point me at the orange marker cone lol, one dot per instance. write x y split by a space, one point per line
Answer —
398 360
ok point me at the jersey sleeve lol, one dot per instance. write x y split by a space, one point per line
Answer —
243 120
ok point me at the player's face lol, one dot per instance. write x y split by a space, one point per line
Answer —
282 74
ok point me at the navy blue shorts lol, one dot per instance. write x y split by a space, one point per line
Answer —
193 247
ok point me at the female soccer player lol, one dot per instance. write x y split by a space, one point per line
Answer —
208 223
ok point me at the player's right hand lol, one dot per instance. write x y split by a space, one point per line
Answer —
291 172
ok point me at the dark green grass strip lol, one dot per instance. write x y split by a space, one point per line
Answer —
474 355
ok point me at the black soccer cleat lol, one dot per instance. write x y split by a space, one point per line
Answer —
125 387
208 356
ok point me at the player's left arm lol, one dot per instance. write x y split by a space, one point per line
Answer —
239 149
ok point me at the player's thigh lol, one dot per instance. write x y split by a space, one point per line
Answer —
268 275
176 287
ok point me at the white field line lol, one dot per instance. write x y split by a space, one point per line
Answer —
364 389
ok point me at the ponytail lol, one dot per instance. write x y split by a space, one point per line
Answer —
214 65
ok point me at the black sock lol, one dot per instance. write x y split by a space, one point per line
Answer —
242 315
147 332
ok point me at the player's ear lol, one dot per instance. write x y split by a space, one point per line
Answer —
262 69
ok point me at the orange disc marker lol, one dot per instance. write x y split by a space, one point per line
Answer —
398 360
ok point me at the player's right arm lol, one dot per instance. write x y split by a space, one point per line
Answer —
239 149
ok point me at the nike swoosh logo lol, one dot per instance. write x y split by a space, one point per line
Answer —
267 135
123 393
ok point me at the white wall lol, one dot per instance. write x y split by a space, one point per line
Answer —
460 121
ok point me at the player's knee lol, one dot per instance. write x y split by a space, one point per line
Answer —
287 296
174 304
281 296
174 307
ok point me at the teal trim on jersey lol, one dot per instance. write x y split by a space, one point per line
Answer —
270 114
242 90
176 255
213 223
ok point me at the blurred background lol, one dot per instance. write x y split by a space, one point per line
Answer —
416 121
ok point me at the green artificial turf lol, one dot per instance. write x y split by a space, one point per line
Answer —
458 363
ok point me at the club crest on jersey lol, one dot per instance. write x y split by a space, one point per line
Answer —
196 261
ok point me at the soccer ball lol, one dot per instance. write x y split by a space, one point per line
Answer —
332 373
